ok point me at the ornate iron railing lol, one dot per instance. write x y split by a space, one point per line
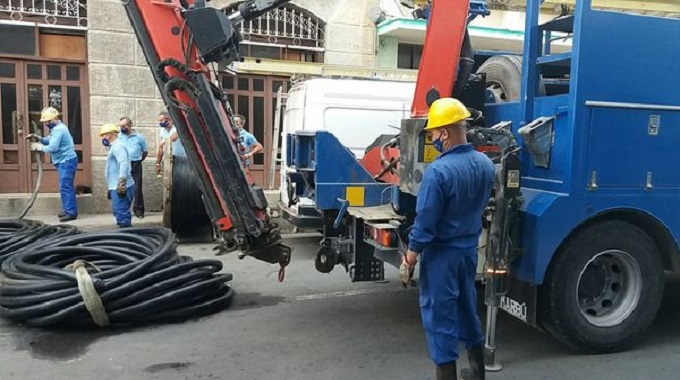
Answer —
284 26
52 12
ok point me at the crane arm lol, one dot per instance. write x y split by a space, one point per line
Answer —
447 58
180 40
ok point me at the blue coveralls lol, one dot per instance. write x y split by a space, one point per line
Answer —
59 144
118 166
455 190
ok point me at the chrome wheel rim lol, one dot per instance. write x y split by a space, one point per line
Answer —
609 288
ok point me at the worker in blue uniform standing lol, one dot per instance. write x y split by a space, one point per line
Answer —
59 144
247 139
168 133
456 188
119 181
136 145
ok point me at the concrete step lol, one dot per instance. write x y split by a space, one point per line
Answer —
272 197
11 204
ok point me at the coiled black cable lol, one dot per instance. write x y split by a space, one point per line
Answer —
141 279
188 216
17 234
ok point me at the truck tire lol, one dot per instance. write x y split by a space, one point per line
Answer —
603 289
504 78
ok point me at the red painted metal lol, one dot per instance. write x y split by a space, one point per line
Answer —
371 162
441 52
162 19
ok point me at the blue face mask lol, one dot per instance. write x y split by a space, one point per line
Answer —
51 125
438 145
164 124
124 130
106 142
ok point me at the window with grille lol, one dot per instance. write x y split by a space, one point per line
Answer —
288 33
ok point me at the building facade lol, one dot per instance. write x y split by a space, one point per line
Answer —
303 37
43 62
82 57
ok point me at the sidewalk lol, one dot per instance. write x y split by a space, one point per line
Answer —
90 222
101 222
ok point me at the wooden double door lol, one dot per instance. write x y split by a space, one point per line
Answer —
254 96
26 87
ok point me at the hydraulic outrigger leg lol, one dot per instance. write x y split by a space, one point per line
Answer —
502 209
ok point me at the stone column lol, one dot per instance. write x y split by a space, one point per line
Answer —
350 34
121 84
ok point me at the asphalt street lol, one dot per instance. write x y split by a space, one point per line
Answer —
313 326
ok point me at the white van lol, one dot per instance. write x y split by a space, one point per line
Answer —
356 111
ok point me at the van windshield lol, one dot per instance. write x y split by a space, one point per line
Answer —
358 128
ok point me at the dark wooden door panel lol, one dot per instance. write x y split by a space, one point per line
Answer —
26 87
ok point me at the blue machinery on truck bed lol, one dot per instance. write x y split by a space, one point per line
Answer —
584 221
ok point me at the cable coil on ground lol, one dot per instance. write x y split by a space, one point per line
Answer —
135 272
188 216
17 234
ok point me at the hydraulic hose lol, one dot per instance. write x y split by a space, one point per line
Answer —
17 234
135 276
467 62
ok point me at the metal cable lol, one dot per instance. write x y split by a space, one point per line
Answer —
188 216
142 280
38 181
17 234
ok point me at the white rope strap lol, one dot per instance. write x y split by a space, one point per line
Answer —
93 302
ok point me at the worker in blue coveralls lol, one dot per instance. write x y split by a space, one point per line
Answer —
247 139
456 188
59 144
118 171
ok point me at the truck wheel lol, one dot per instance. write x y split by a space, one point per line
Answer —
603 289
504 78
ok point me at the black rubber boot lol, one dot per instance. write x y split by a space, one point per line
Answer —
447 371
476 370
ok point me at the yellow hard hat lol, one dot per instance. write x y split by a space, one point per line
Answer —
48 113
446 111
108 128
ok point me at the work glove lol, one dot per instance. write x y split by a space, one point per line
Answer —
36 147
33 137
122 187
406 273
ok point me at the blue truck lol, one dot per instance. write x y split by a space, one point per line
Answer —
584 220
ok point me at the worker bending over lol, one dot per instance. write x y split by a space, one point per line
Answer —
247 139
118 175
453 194
59 144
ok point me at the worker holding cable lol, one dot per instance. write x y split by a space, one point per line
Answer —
456 188
59 144
118 172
